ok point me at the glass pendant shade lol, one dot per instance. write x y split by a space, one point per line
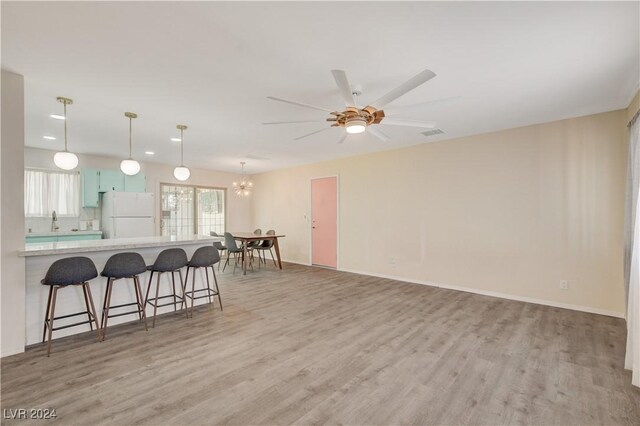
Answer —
130 167
181 173
65 160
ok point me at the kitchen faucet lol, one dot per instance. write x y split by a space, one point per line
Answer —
54 222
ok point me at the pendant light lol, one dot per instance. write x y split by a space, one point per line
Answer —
130 166
64 159
181 172
244 187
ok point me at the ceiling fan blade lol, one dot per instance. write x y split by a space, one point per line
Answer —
375 131
405 109
312 133
409 123
292 122
343 137
405 87
273 98
344 86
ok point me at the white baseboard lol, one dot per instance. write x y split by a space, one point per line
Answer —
496 294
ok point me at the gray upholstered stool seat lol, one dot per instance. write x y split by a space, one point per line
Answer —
63 273
168 261
204 257
119 266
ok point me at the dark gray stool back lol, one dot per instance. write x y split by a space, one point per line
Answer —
124 265
70 271
205 256
170 260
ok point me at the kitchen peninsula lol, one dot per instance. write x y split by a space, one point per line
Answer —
39 256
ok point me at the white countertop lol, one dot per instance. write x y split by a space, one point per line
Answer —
65 247
62 233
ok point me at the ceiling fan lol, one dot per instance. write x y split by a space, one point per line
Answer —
357 120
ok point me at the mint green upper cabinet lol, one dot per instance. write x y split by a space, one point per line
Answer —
90 187
111 180
135 183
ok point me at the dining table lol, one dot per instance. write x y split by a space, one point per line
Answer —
247 237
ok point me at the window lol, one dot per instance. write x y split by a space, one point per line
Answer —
46 191
188 210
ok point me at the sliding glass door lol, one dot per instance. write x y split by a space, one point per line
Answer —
188 210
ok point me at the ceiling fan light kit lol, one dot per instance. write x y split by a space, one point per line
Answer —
356 120
65 160
355 125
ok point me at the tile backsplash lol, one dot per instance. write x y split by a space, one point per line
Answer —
43 224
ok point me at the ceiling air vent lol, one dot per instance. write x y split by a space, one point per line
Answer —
433 132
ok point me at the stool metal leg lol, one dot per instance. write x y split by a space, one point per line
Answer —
89 300
155 306
206 273
136 283
51 316
146 296
135 288
46 315
86 303
215 280
184 290
183 284
173 283
193 289
105 312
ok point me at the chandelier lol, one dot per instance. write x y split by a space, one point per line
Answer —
243 188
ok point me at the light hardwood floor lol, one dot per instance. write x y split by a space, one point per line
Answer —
307 345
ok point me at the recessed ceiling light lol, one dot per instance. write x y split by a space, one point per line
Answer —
149 152
49 138
57 117
175 139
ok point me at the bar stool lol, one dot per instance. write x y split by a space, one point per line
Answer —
204 257
71 271
123 265
169 260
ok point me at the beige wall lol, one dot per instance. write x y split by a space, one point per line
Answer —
238 209
12 277
509 213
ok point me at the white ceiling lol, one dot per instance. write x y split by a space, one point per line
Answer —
211 66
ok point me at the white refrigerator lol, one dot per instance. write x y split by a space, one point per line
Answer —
128 214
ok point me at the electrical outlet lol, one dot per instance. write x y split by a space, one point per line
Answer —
564 285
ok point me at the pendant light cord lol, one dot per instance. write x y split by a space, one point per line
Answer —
181 148
65 127
130 120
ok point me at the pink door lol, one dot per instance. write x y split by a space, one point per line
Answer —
324 222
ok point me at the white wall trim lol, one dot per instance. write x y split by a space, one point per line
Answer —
587 309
